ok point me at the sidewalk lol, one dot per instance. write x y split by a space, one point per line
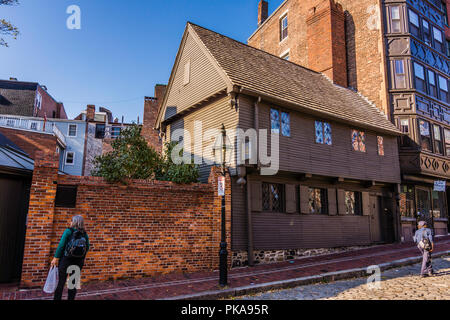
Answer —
248 280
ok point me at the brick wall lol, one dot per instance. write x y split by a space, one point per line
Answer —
50 107
143 229
31 142
151 108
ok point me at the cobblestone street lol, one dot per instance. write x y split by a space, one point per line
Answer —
397 284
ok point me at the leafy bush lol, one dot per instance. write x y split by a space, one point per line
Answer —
133 158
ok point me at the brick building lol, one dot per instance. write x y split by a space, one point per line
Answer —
394 53
29 99
101 130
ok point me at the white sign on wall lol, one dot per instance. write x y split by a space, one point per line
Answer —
440 186
221 186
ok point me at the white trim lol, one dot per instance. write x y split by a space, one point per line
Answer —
76 130
285 53
65 158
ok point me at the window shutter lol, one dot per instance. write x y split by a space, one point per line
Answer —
304 199
256 194
291 199
341 202
366 204
332 205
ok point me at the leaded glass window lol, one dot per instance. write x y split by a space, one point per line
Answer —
275 120
319 132
318 201
273 197
359 140
327 134
353 203
323 133
380 146
285 124
280 124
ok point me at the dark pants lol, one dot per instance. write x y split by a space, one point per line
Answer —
427 268
64 264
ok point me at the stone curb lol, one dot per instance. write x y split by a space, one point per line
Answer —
292 283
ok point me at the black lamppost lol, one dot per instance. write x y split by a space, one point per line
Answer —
223 253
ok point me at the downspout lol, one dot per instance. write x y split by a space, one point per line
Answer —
250 247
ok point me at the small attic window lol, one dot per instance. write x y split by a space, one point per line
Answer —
187 72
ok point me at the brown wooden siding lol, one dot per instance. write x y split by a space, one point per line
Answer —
205 79
300 153
276 231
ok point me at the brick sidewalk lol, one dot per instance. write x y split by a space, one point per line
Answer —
178 285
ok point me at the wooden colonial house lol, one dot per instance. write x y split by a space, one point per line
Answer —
338 157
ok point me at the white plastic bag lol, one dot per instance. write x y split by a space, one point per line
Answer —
52 281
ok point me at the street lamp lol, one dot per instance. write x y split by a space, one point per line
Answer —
223 253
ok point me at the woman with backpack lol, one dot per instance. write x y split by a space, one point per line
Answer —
71 253
424 240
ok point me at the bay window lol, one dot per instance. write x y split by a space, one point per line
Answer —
400 76
419 75
437 138
432 89
414 26
395 19
425 135
443 89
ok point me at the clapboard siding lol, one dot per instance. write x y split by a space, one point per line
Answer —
211 116
276 231
205 79
300 153
239 217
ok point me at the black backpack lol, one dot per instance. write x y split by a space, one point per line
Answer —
77 245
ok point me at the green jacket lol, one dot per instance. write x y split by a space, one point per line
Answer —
64 240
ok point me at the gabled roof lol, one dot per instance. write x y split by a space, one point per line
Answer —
269 76
17 98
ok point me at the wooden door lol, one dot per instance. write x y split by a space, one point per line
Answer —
14 197
375 221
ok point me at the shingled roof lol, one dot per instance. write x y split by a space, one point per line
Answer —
260 72
17 98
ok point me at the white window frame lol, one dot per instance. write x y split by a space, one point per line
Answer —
65 158
282 17
38 100
399 19
285 54
76 130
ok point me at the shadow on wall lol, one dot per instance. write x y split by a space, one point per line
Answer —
351 51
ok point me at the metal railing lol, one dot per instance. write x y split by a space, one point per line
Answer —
19 123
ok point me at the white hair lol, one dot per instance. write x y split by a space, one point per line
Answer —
78 223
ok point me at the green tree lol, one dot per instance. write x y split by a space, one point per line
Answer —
132 158
6 28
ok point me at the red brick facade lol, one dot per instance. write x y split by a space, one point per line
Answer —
363 36
49 107
31 142
326 41
143 229
151 107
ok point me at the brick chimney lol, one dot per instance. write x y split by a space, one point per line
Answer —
326 41
90 112
151 108
263 11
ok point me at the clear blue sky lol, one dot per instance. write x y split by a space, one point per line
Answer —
123 48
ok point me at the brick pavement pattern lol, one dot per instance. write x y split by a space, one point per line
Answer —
176 285
396 284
